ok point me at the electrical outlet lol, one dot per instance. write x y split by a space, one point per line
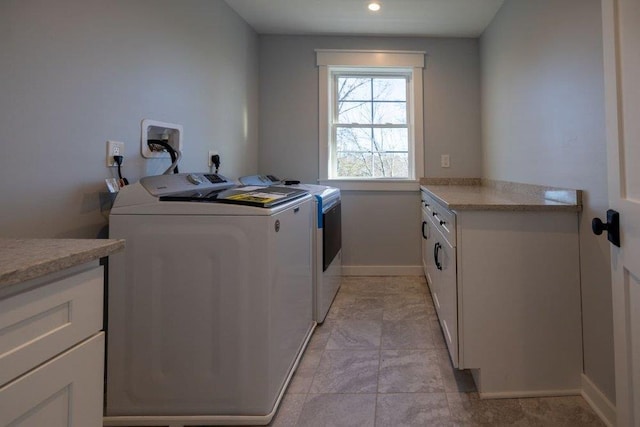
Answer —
114 148
444 161
211 153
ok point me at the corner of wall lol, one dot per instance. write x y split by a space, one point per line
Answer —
598 402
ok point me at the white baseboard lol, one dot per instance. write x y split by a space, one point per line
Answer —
526 394
598 402
382 270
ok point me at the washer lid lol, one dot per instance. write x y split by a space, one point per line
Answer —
262 197
134 199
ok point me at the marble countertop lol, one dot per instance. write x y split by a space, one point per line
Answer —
504 196
26 259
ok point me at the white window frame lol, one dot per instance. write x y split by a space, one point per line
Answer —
330 61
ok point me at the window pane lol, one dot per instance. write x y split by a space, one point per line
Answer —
353 139
391 165
390 112
354 112
354 89
389 89
354 165
370 124
393 139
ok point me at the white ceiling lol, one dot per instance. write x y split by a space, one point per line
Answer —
437 18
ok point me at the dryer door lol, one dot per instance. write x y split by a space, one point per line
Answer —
331 234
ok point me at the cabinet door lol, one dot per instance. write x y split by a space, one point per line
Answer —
448 295
65 391
426 230
38 324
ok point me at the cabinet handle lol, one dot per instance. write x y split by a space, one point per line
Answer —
436 250
442 222
423 234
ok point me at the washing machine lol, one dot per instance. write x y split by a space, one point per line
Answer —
327 238
209 306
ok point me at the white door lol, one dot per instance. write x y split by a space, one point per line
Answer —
621 36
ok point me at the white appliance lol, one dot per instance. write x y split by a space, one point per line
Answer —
327 239
209 306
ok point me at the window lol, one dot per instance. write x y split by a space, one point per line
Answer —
371 119
370 125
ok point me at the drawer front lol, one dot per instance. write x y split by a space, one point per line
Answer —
442 218
38 324
64 392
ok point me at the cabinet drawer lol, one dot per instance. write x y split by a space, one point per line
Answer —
64 392
38 324
441 217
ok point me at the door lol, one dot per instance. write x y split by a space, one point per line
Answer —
621 39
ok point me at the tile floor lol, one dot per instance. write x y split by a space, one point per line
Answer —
380 360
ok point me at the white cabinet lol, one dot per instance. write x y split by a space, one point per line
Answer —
52 351
507 291
445 291
65 391
439 261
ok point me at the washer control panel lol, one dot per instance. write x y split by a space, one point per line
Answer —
162 185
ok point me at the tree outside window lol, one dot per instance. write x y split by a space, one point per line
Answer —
370 125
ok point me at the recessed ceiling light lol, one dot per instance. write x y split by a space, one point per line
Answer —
374 7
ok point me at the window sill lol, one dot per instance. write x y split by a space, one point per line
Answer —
372 185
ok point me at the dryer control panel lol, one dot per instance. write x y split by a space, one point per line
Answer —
259 180
162 185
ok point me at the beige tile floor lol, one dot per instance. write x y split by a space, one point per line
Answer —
380 360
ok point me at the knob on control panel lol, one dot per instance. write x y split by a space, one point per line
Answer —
194 179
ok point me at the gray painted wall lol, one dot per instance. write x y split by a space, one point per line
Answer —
543 123
379 228
76 73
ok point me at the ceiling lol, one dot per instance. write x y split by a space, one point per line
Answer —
435 18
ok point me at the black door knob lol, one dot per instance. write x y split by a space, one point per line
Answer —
612 226
598 226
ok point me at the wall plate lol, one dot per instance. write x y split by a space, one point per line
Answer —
211 153
114 148
154 129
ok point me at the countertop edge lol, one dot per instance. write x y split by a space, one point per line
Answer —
537 203
514 208
70 259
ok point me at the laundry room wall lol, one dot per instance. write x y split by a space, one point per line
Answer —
76 73
543 123
380 229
